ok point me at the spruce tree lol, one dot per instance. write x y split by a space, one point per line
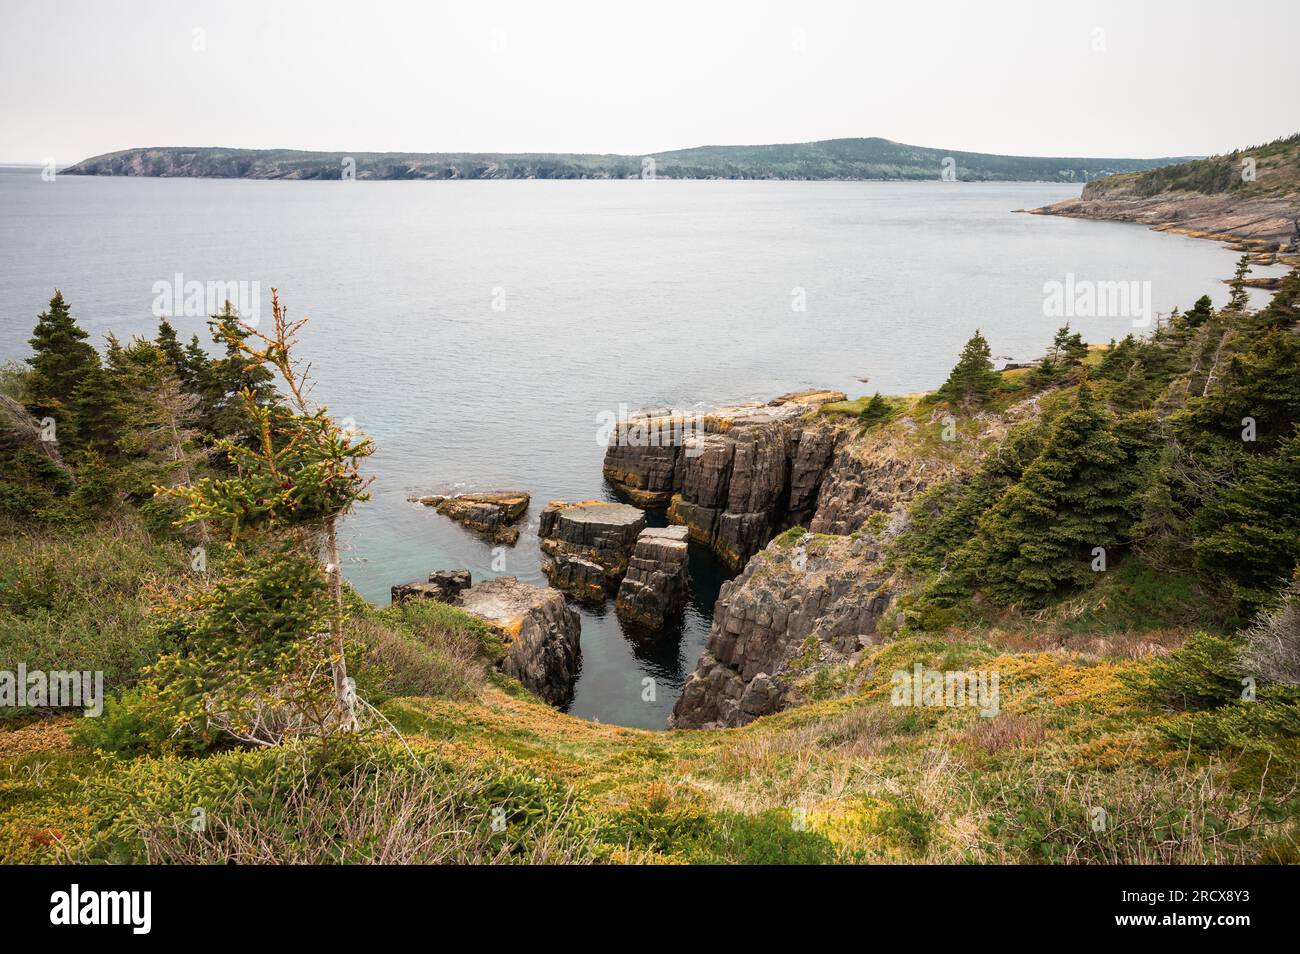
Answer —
1283 309
225 410
874 411
973 379
1239 299
100 412
1249 534
169 344
1039 536
198 370
1201 312
61 362
288 489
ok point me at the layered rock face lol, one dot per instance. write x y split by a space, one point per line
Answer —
734 477
653 594
859 484
542 634
586 546
795 604
491 514
1265 222
807 603
443 586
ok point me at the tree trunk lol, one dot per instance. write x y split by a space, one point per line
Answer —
343 690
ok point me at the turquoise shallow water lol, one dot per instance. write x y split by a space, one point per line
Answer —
643 293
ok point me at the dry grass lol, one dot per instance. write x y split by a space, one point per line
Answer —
1005 731
371 819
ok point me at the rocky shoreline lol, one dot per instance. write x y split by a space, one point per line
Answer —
1266 225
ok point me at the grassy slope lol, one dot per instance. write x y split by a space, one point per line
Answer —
872 782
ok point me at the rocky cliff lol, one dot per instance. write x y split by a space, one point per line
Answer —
811 600
734 477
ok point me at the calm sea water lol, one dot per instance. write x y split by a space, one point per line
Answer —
476 330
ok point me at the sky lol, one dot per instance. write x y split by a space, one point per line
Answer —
1142 78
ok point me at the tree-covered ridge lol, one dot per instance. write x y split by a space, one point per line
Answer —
1272 169
871 158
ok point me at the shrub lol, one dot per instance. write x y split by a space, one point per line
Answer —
78 599
1204 674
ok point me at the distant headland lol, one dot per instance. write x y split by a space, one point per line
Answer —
829 159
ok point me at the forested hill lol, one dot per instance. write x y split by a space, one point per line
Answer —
829 159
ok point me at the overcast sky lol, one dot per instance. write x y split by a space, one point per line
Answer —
1130 79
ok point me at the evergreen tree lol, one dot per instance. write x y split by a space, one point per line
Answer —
973 379
1039 536
875 411
100 412
1068 348
169 344
290 486
1239 299
1201 312
225 410
1067 351
1249 534
198 371
1283 309
62 360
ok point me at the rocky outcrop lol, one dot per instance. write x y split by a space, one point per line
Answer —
491 514
443 586
1206 199
1265 223
543 645
811 600
860 483
586 546
732 477
653 594
802 603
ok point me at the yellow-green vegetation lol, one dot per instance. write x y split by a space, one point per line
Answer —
854 778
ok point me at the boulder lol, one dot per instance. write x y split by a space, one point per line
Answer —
653 593
586 546
542 635
491 514
443 586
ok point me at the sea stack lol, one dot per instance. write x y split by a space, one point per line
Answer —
653 594
586 546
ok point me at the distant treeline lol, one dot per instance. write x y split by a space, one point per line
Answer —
828 159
